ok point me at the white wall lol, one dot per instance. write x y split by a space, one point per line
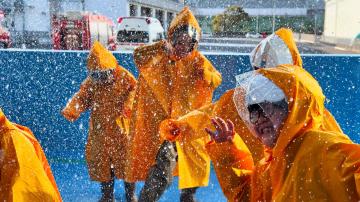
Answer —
342 21
71 5
37 15
110 8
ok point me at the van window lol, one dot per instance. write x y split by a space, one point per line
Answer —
132 36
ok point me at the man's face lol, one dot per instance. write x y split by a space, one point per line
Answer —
266 120
183 45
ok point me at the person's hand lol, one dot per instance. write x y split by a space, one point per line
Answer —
224 130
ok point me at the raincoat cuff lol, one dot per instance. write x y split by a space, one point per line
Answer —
170 130
68 115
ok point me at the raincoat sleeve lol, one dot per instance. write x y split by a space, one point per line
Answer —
40 154
344 180
330 123
211 75
191 126
8 166
233 165
79 103
128 83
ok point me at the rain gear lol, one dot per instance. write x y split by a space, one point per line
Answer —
233 172
109 104
309 161
192 125
170 88
25 174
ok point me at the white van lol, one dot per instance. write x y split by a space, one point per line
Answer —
132 32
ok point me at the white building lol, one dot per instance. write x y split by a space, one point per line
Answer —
205 10
342 22
29 21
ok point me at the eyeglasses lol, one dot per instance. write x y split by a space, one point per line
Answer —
257 111
265 109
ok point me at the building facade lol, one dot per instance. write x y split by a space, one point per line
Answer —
29 21
264 14
342 22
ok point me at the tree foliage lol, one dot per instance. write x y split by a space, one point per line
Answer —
234 21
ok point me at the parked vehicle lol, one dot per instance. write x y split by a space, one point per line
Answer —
5 40
355 44
79 30
252 35
132 32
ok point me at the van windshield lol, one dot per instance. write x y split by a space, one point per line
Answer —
124 36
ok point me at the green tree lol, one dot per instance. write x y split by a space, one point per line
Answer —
234 21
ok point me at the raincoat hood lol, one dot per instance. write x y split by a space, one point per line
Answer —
185 17
305 102
278 48
100 59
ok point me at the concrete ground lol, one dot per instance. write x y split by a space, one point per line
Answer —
75 185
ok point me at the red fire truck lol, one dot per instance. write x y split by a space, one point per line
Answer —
5 41
79 30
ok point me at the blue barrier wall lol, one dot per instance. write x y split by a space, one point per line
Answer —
35 86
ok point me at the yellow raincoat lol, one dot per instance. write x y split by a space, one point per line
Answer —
192 127
309 161
25 174
107 141
233 171
170 88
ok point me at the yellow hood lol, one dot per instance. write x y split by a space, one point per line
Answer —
100 59
287 36
185 17
278 48
306 102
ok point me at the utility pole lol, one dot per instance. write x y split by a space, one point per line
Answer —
83 5
315 19
273 19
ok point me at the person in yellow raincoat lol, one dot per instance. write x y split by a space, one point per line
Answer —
306 161
25 174
278 48
107 92
174 79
